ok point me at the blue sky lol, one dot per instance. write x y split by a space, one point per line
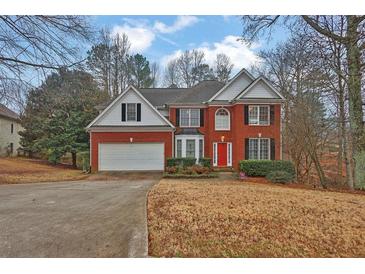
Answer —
162 38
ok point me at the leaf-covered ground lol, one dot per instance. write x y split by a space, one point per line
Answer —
20 170
213 218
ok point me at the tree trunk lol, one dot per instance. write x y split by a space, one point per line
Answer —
74 159
317 164
354 86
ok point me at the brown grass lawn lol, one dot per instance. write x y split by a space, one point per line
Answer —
212 218
20 170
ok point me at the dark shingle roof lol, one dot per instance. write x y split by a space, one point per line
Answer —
162 96
8 113
195 95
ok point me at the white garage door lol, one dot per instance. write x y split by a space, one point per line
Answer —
128 156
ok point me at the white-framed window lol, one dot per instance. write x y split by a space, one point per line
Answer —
259 149
189 117
189 146
178 148
259 115
222 119
131 112
201 148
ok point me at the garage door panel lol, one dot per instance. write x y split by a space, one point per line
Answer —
127 156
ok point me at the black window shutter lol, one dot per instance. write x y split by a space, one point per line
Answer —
201 117
245 114
246 148
123 112
138 112
272 149
272 115
177 117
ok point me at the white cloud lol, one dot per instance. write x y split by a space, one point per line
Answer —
180 23
140 36
242 55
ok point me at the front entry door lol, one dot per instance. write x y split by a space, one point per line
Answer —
222 154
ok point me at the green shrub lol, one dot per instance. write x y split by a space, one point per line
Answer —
263 167
171 169
279 176
206 162
85 159
198 169
183 162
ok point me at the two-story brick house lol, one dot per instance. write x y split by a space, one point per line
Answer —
225 122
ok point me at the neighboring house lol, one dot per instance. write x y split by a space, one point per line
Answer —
9 127
227 123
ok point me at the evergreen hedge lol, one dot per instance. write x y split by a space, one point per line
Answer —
205 162
184 162
261 168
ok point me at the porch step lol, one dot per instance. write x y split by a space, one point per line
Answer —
223 169
227 175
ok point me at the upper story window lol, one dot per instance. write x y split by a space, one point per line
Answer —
259 115
131 112
189 117
222 119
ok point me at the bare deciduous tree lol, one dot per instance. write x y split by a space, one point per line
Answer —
222 67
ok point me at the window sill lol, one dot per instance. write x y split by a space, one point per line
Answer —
226 129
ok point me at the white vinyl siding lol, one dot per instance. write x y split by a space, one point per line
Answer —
222 119
259 115
189 117
131 156
259 149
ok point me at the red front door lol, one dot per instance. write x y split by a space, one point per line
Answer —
222 154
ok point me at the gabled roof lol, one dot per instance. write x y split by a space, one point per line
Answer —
230 82
8 113
254 83
161 96
119 97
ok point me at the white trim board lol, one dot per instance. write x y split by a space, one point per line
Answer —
105 111
253 84
230 82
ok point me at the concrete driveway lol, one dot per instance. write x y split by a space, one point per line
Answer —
74 219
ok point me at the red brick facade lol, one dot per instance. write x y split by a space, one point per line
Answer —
238 131
124 137
236 135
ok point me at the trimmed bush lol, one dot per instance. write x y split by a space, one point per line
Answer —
171 169
264 167
184 162
198 169
206 162
279 176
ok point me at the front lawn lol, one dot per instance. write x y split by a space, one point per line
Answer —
22 170
215 218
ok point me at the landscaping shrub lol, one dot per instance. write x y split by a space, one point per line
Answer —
206 162
184 162
263 167
189 170
198 169
279 176
171 169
